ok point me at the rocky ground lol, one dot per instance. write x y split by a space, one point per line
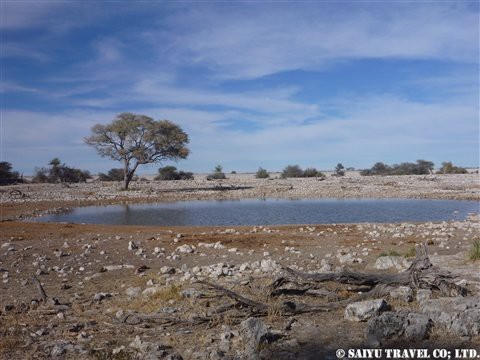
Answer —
131 292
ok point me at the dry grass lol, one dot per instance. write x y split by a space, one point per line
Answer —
410 253
274 313
10 334
152 303
389 253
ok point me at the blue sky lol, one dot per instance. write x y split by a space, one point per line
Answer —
253 83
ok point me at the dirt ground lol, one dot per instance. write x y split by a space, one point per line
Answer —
94 275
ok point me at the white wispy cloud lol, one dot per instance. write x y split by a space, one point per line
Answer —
148 72
257 39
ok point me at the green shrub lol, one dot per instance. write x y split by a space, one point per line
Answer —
389 253
7 176
217 174
113 175
421 167
262 174
295 171
60 173
171 173
339 170
292 171
312 172
475 250
410 253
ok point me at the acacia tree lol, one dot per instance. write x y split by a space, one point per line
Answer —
137 140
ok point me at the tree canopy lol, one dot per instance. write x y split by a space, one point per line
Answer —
7 176
137 140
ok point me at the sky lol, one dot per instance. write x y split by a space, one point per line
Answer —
254 84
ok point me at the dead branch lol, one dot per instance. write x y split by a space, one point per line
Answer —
40 289
351 278
134 318
257 307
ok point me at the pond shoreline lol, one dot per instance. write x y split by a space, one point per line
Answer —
28 200
256 212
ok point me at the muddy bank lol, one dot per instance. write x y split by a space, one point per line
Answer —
132 292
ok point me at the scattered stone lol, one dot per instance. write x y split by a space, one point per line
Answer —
364 310
392 262
185 249
141 269
132 246
60 348
167 270
191 293
99 297
254 333
417 326
151 291
403 293
423 295
461 315
133 291
116 267
393 325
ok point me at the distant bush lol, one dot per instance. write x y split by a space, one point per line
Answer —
421 167
60 173
171 173
449 168
112 175
292 171
233 172
312 172
217 174
262 174
295 171
7 176
339 170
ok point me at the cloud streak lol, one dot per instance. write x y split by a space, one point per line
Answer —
246 80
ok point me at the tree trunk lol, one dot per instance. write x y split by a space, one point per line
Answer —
126 179
128 174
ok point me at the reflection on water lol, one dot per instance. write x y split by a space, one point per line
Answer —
270 212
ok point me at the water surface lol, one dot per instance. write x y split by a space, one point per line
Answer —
270 212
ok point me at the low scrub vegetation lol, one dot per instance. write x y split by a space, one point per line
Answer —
389 253
262 174
475 250
171 173
217 174
339 170
112 175
58 172
295 171
7 176
449 168
421 167
410 253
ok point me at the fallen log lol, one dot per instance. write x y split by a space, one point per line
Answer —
420 275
